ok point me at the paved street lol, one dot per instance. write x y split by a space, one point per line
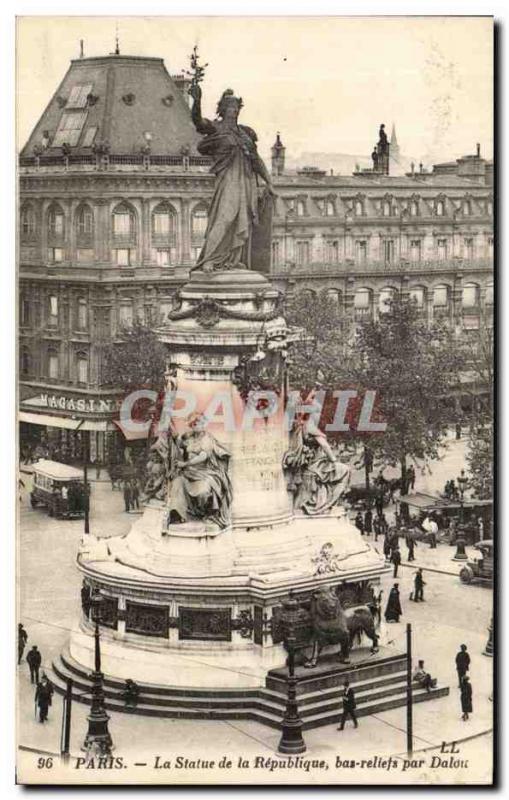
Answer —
452 614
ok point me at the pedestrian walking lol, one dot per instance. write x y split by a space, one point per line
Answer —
458 430
359 523
480 528
368 521
396 560
127 495
462 663
22 642
393 609
43 695
376 527
384 525
348 706
419 585
411 477
135 494
466 698
387 548
34 660
410 542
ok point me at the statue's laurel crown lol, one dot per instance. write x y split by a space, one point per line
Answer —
227 96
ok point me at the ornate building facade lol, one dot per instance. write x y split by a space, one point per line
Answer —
113 211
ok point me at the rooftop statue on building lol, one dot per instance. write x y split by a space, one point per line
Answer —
238 169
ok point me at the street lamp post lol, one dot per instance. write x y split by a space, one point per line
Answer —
98 736
460 554
291 741
488 650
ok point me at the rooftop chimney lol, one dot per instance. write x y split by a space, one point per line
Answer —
478 146
81 49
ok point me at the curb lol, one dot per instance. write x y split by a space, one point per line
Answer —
414 565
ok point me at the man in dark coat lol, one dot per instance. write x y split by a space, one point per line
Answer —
43 695
393 609
466 697
387 548
396 560
419 586
379 502
127 495
348 706
410 541
368 521
384 525
135 494
411 477
376 527
34 660
22 641
462 663
359 523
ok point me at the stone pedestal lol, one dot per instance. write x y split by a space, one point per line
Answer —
191 604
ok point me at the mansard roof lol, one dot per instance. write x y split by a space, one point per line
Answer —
123 98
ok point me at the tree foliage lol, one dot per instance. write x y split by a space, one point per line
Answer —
137 360
480 461
413 368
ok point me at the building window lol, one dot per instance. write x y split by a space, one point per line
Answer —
468 248
84 254
52 364
361 251
122 257
53 310
467 208
442 249
384 299
82 367
359 208
415 249
302 249
332 251
330 208
489 295
123 222
25 311
414 208
490 246
25 362
333 295
386 208
362 299
440 208
163 222
82 314
417 295
78 97
56 222
489 208
440 297
55 255
276 249
27 221
199 222
126 314
470 296
164 256
301 208
85 221
195 254
69 129
389 251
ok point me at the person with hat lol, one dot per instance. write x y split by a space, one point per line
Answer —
348 706
462 663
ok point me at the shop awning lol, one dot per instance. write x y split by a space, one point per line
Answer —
51 421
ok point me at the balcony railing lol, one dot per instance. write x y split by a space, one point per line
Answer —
349 266
134 161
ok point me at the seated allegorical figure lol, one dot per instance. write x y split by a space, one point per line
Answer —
316 478
200 486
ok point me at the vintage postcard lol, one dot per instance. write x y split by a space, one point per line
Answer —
255 277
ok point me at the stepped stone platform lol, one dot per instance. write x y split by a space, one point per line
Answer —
379 682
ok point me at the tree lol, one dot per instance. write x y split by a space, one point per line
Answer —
414 369
480 365
480 461
137 360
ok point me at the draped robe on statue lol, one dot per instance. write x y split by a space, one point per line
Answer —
234 207
202 491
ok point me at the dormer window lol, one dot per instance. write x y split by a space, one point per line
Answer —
69 129
359 208
78 97
467 208
386 208
414 208
330 209
440 208
301 208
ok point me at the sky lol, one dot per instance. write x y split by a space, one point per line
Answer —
326 83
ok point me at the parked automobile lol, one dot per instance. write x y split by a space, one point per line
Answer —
480 569
59 488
